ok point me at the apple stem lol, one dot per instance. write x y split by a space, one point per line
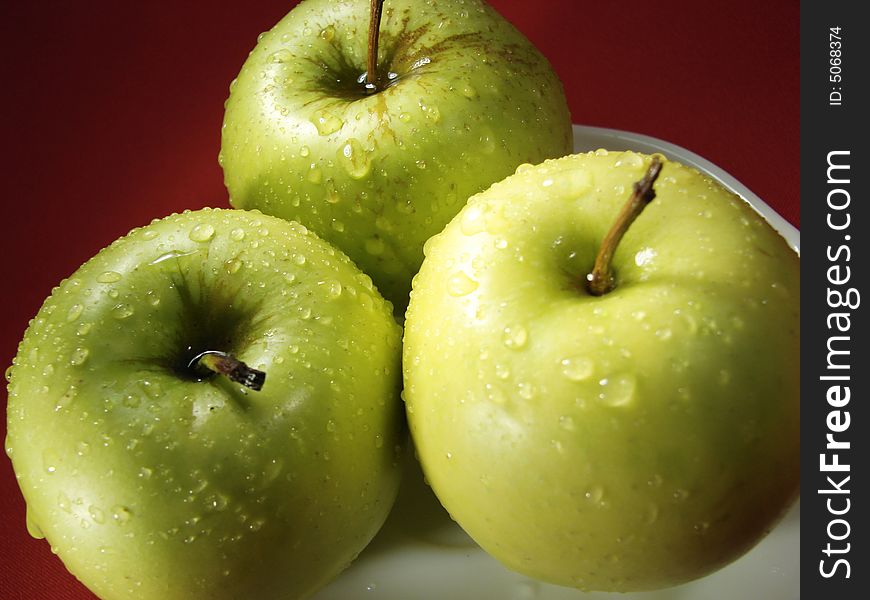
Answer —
600 281
228 365
374 30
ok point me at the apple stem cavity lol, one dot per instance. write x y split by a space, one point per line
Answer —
374 31
229 366
601 281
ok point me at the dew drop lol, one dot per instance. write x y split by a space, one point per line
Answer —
460 284
468 91
109 277
617 390
64 503
201 233
495 394
233 265
326 122
595 494
79 356
354 159
514 337
333 289
577 368
50 460
237 234
75 311
281 56
97 514
472 221
216 502
122 311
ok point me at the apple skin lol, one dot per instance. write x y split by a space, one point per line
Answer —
150 484
377 175
625 442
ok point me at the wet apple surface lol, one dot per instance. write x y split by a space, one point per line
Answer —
628 441
152 478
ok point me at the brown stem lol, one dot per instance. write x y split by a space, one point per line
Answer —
600 280
374 30
231 367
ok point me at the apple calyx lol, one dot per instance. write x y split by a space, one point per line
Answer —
229 366
601 281
371 75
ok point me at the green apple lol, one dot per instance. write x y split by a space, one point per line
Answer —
460 100
153 478
626 441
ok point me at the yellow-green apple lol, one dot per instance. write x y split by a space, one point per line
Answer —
153 477
458 99
628 439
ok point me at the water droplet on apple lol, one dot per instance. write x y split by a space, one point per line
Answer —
145 473
122 311
152 389
431 112
232 266
50 460
216 502
326 122
514 337
468 91
566 423
237 234
701 528
121 514
75 311
202 232
327 33
281 56
526 390
577 368
495 394
354 159
66 398
8 373
502 371
333 289
379 441
617 390
84 328
472 221
594 494
315 174
459 284
97 514
82 448
150 234
109 277
64 503
664 334
79 356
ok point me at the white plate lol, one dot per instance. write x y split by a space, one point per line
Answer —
420 554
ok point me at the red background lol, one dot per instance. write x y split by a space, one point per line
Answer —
112 113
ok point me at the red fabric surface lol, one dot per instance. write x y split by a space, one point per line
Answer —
112 113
